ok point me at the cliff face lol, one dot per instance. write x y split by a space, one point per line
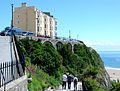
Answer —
102 78
84 62
94 74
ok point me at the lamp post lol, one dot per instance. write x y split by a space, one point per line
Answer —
12 16
36 34
77 36
69 34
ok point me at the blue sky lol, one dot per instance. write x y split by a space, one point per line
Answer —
92 21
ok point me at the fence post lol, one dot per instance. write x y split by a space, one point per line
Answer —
0 75
9 71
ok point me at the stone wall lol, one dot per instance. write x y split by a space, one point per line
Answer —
19 84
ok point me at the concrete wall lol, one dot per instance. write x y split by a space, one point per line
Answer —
17 85
7 53
5 49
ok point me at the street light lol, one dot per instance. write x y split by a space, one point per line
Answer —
37 26
12 16
69 34
77 36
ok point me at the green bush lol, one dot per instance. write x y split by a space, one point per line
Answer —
46 64
41 81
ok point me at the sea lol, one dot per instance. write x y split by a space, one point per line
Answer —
111 59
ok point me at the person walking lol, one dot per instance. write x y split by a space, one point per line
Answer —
64 81
70 79
75 80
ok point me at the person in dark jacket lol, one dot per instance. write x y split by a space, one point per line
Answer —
75 80
70 79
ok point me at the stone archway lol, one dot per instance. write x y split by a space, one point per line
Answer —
47 43
75 47
59 45
69 46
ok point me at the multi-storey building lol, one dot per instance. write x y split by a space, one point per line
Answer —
31 19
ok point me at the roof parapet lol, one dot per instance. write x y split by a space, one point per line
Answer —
24 4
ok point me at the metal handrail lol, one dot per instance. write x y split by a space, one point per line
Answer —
4 80
20 54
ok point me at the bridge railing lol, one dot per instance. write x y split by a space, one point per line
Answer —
8 72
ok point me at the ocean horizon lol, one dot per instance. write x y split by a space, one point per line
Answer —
111 59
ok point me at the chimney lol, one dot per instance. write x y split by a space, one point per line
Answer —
24 4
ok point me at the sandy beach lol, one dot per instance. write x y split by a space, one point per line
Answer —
114 73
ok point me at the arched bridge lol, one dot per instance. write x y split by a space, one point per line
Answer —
57 43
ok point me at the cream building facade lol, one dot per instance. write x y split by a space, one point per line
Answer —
31 19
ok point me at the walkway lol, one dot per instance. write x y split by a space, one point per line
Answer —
79 87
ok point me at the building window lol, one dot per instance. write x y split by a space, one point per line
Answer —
45 26
51 27
51 34
45 19
45 33
50 21
55 28
38 29
55 23
37 20
56 34
18 22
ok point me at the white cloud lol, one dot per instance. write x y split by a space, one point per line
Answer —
102 43
104 46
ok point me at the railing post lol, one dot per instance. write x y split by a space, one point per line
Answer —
3 74
0 76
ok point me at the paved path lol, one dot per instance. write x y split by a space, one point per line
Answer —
79 87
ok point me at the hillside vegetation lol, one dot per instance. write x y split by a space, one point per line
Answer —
46 65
